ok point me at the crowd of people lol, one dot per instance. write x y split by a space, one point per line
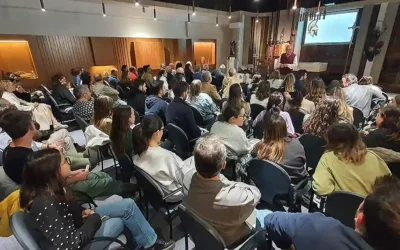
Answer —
262 119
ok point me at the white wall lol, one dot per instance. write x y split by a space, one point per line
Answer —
76 18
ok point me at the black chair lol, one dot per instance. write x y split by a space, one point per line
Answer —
314 148
274 184
138 117
63 112
342 206
206 237
197 116
124 166
386 96
82 123
154 195
256 109
297 119
30 239
358 117
180 140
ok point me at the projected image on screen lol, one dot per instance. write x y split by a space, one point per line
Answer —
333 29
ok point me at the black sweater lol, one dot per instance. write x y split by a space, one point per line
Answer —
62 95
62 224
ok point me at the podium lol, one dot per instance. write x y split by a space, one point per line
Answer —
315 67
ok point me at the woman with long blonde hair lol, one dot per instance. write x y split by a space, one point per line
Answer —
276 146
288 83
345 111
317 91
347 164
102 115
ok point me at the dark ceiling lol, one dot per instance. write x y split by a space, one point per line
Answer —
254 5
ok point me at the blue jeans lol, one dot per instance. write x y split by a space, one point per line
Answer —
260 215
125 213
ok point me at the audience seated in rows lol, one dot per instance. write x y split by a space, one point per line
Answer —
202 102
162 76
147 76
229 81
208 88
179 112
125 79
86 78
325 115
347 164
277 147
376 224
178 77
99 88
197 73
317 91
288 85
84 106
345 111
262 94
61 92
41 112
298 101
333 84
225 204
53 212
235 98
362 96
228 128
163 165
276 100
76 76
275 80
112 79
136 97
301 79
123 120
19 126
154 104
102 115
189 72
387 134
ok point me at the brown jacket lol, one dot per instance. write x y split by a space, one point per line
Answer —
210 90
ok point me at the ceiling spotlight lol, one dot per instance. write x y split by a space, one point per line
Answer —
294 5
42 5
193 9
143 9
257 17
217 23
155 14
104 8
137 3
230 12
188 20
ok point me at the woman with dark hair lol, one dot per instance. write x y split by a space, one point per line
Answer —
387 135
317 91
136 97
103 108
325 115
188 72
123 120
332 85
236 99
202 102
61 92
276 100
228 128
86 78
261 95
298 101
276 146
53 212
163 165
347 165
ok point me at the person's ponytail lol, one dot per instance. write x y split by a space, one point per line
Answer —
140 143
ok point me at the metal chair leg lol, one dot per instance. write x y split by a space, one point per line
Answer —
311 202
186 241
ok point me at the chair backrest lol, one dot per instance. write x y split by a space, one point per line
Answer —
270 178
297 118
138 117
342 206
180 140
151 189
386 96
314 148
358 117
204 236
48 96
22 232
82 123
256 109
197 116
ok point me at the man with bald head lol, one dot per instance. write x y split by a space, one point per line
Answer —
99 88
287 61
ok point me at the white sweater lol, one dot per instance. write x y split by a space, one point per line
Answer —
165 167
18 103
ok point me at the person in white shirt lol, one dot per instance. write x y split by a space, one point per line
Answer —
261 96
163 165
162 76
275 81
287 61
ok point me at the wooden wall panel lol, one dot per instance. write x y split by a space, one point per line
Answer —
16 56
121 48
206 50
102 49
149 52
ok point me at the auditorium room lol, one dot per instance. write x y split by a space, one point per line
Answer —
199 124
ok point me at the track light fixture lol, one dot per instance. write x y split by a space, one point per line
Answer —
294 5
137 3
42 5
216 21
193 9
188 20
104 8
230 12
154 12
257 17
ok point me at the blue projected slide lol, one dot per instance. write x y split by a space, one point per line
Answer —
333 29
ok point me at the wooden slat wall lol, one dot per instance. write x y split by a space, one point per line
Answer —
121 47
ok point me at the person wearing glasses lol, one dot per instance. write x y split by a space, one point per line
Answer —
228 128
161 164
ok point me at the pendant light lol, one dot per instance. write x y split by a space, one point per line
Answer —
188 20
193 9
137 3
104 8
42 5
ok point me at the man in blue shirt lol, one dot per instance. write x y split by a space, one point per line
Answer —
113 79
377 224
